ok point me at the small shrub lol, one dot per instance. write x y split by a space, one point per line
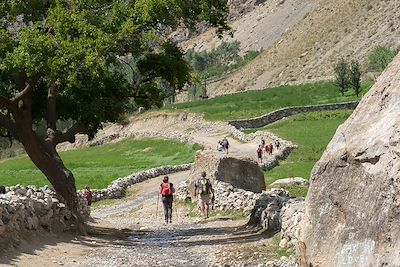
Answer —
380 58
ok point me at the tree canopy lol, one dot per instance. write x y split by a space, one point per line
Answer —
61 60
76 47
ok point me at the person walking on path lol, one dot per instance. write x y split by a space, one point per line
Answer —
277 144
167 191
262 142
88 196
225 145
203 189
2 189
259 154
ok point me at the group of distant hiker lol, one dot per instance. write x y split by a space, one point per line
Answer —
266 149
223 145
202 190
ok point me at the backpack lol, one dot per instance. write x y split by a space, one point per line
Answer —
204 186
259 150
166 189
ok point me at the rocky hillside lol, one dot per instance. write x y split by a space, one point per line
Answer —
302 39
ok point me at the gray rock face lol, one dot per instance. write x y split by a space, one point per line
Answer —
353 205
241 173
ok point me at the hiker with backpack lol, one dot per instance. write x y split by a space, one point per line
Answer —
166 191
87 194
225 145
259 154
262 142
219 146
277 144
203 189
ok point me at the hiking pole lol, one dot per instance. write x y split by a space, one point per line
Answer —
158 199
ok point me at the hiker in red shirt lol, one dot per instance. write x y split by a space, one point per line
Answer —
166 191
259 154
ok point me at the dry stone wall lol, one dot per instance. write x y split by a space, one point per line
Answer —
29 208
286 112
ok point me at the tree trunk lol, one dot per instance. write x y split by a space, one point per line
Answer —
46 158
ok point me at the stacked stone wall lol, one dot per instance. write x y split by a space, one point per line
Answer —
286 112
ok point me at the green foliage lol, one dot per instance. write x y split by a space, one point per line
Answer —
355 77
75 46
380 58
312 133
98 166
342 75
219 60
232 107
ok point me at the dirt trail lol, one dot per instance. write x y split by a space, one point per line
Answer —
131 232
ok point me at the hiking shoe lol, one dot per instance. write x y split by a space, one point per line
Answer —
170 221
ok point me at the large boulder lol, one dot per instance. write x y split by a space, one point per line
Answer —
241 173
353 205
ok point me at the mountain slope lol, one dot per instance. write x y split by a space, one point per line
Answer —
307 49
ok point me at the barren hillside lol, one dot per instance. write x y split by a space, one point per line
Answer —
303 39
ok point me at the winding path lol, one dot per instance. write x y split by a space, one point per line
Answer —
131 232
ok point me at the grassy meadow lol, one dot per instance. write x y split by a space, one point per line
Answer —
256 103
311 132
98 166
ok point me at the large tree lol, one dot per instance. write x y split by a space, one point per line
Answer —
60 60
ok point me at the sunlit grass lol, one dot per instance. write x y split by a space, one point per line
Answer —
98 166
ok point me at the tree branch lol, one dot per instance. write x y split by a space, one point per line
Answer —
56 137
27 89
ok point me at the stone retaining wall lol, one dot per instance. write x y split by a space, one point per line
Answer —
286 112
29 208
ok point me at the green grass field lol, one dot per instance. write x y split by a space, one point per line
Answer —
100 165
311 132
256 103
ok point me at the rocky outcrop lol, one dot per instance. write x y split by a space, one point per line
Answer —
267 209
353 205
241 173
